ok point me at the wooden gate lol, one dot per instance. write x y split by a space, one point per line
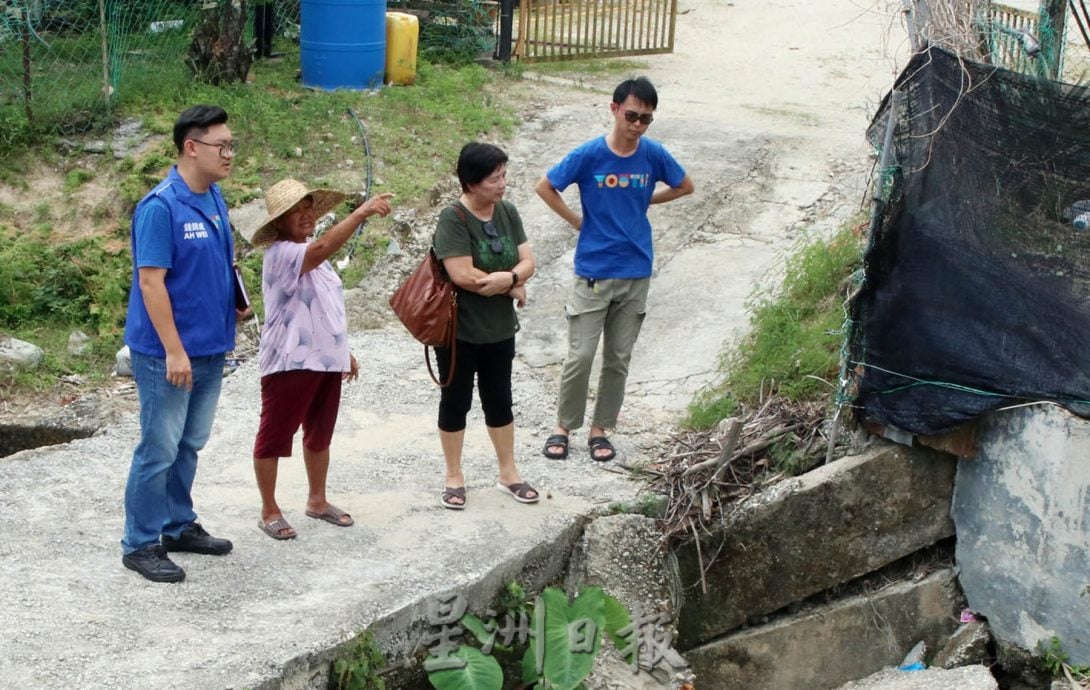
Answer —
578 29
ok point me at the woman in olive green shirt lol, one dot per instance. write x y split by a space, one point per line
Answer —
483 248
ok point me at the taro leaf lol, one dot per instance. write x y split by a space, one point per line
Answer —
566 626
481 672
476 626
617 619
529 667
530 674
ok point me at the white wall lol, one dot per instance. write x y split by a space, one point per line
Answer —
1022 511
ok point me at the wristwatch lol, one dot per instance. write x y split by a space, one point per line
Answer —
514 279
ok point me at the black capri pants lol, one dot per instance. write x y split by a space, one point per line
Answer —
491 363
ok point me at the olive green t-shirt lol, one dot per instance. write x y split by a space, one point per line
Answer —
482 319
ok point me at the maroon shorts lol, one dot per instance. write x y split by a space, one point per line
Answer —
291 398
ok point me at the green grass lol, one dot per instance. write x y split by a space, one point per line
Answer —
581 69
793 347
76 178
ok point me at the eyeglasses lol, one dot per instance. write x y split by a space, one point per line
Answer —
493 237
227 148
644 118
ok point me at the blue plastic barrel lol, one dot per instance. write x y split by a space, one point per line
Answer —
343 43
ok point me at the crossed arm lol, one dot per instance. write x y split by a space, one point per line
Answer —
468 277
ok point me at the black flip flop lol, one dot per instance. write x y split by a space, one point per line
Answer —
556 440
597 443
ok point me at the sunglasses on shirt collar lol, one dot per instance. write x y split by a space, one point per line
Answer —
493 237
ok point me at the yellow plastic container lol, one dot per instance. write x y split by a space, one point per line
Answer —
402 37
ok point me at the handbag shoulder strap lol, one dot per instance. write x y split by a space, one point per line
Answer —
458 209
461 216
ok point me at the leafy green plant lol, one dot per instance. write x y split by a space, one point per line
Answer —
565 638
1054 659
480 672
15 131
513 598
360 670
711 407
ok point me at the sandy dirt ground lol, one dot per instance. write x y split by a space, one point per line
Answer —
764 102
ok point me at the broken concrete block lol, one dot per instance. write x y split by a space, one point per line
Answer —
968 645
811 533
864 634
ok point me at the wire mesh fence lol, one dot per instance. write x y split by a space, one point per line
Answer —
1040 42
1044 38
61 61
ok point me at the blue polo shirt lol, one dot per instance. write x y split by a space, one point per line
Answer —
615 192
189 235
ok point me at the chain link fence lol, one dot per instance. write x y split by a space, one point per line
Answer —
61 61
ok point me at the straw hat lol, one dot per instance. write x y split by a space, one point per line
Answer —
279 200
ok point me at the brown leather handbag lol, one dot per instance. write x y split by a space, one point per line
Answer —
427 303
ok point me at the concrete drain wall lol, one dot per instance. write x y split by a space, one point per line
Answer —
803 539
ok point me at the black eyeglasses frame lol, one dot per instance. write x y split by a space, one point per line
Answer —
227 149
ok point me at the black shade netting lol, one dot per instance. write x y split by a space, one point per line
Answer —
977 288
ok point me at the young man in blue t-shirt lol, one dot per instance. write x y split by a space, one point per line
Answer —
617 176
180 324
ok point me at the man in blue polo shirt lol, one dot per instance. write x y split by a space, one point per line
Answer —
617 176
181 323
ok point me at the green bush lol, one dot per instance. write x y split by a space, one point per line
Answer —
75 284
794 345
15 131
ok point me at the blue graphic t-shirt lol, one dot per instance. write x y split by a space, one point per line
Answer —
615 192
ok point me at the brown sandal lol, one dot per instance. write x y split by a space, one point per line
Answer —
453 492
520 492
333 515
274 528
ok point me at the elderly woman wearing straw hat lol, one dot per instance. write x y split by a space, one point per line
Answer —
304 344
